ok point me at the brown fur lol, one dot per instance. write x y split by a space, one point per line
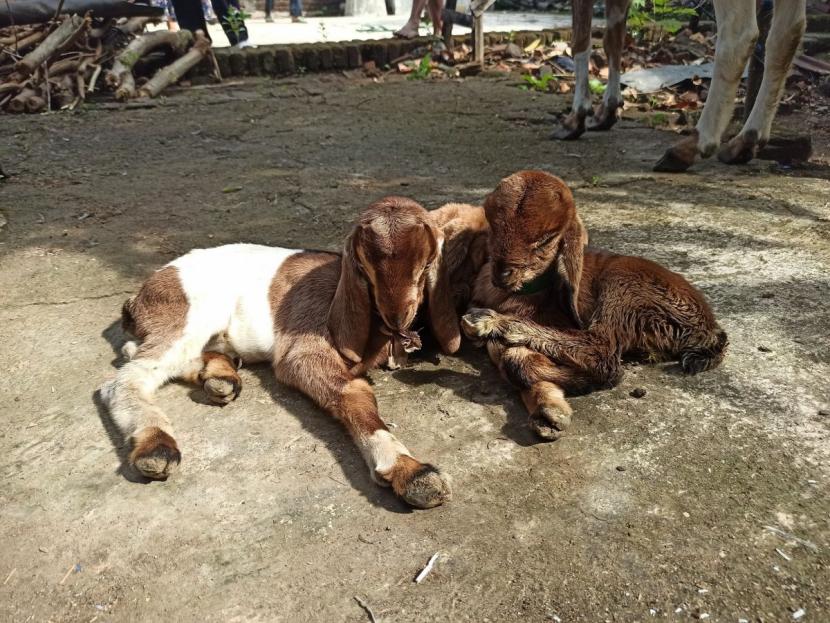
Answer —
157 314
464 229
594 308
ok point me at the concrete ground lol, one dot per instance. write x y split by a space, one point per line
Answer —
705 499
330 29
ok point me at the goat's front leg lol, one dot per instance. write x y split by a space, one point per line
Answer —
317 370
616 13
542 384
573 125
593 352
737 32
788 22
217 374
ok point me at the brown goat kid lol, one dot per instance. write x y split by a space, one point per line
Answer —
319 318
563 315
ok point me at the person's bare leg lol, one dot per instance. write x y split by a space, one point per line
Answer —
435 9
410 29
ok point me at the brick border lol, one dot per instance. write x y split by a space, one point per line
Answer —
287 60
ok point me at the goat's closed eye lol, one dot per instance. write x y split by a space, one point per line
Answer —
546 241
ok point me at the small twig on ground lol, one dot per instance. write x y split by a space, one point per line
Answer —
71 569
791 537
366 607
783 555
9 577
426 570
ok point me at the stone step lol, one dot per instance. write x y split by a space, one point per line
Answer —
818 22
816 43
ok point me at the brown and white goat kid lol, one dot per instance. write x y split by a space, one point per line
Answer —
563 315
737 33
315 316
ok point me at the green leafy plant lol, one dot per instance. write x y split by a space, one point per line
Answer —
236 20
596 87
422 70
538 84
657 18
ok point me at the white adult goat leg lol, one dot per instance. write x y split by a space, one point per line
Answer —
737 33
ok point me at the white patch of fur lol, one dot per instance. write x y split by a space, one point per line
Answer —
737 31
227 289
582 94
381 450
788 21
612 89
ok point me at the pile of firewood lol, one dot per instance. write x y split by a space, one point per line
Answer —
57 65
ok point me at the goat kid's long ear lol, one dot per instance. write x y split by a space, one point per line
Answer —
350 313
569 266
443 318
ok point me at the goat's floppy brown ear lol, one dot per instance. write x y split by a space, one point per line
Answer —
350 313
443 319
569 266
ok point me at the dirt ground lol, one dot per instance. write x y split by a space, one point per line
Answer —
707 498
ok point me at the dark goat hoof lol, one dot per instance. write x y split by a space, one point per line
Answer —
739 150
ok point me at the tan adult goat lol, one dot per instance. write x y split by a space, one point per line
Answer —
320 318
737 33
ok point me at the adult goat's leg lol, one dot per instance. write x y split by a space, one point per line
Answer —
573 125
737 32
616 13
788 23
318 371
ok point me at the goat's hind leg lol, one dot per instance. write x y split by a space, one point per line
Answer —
737 32
788 23
217 372
154 451
605 116
573 125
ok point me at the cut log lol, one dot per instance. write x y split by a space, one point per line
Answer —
63 35
135 25
64 66
31 38
17 104
35 104
11 87
123 66
174 72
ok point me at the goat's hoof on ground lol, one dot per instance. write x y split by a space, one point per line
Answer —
566 132
427 488
672 162
222 389
481 323
739 150
679 156
155 453
604 119
550 422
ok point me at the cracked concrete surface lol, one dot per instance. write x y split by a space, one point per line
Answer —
651 507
